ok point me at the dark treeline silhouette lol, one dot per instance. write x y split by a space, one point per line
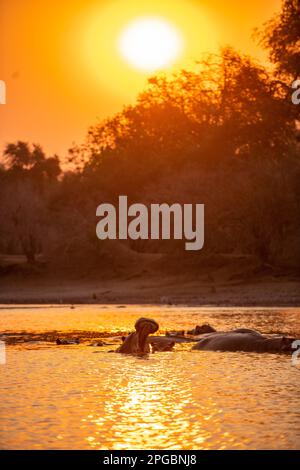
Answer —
225 134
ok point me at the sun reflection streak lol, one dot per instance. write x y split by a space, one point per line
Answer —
175 400
141 413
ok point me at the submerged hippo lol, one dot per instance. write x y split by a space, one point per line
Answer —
243 339
137 342
158 343
67 341
161 344
199 330
175 333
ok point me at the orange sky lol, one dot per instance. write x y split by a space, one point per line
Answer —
62 68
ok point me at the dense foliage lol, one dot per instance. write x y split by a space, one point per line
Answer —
224 134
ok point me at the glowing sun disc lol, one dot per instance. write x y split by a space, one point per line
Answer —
149 44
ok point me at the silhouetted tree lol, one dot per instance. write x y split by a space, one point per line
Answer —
224 135
22 213
27 177
281 37
21 158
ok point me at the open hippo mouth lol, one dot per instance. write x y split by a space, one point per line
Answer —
145 327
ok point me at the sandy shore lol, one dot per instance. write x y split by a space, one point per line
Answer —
262 292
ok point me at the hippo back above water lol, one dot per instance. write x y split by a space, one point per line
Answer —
243 340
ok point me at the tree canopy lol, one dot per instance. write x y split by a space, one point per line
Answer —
281 37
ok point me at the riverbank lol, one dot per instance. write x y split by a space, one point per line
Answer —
265 291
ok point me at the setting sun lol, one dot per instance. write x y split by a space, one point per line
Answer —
150 44
116 46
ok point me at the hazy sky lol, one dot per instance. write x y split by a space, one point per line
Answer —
63 69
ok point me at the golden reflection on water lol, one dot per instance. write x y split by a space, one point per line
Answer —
196 401
151 408
113 318
72 397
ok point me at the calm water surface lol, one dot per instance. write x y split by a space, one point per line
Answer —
84 397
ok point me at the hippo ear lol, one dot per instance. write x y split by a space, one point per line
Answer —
286 343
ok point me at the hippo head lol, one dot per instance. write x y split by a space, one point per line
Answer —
276 344
286 344
162 344
199 330
145 327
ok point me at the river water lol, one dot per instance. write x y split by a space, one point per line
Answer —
83 397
